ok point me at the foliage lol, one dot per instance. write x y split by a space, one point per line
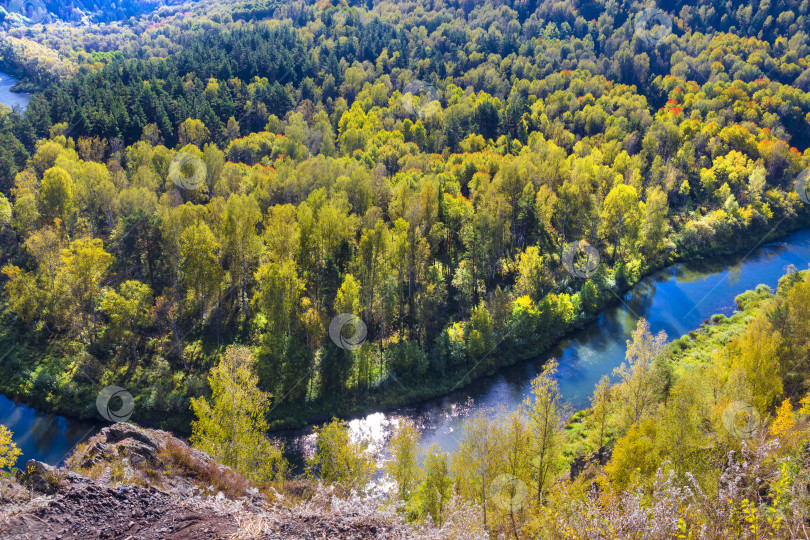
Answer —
340 461
326 186
8 450
232 426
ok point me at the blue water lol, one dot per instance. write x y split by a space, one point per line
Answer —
677 300
46 437
12 99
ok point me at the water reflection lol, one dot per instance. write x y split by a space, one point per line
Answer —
676 300
41 436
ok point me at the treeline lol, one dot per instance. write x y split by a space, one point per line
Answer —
704 437
272 175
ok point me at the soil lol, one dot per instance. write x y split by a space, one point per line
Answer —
86 510
130 483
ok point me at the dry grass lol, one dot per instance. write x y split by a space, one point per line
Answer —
179 459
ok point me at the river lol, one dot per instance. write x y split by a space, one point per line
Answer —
12 99
41 436
677 299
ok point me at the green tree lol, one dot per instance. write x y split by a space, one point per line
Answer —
589 297
56 194
232 427
547 416
339 460
480 335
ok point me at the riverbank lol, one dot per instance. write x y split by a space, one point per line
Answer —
41 391
13 91
509 355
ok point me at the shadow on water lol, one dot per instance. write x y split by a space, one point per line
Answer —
676 299
41 436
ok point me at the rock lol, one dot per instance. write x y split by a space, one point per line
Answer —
121 431
584 463
121 441
39 477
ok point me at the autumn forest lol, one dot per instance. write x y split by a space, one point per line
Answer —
197 192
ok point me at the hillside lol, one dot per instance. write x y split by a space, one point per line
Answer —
136 483
224 218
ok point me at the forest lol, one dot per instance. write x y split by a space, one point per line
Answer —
196 193
234 179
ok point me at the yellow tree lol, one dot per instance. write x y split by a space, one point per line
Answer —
784 421
634 457
84 265
56 193
547 416
402 466
654 224
128 310
8 450
340 460
640 383
621 217
436 486
680 437
193 131
477 461
242 244
530 270
278 295
347 299
601 405
200 265
755 360
232 426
